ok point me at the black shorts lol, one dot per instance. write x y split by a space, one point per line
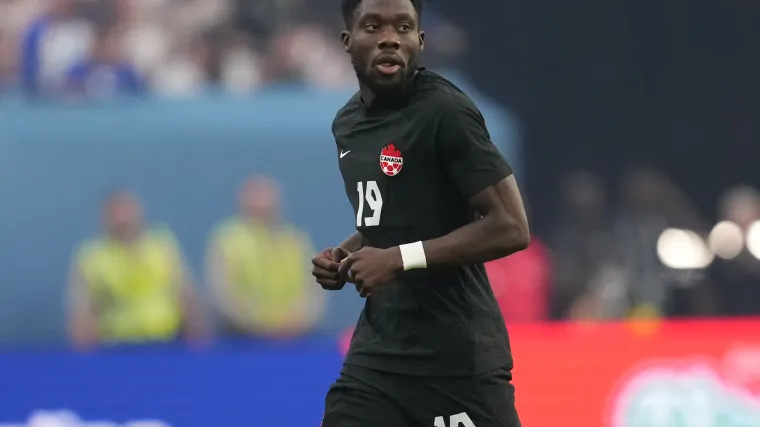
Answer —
367 398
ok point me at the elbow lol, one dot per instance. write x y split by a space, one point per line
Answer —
526 241
514 237
521 239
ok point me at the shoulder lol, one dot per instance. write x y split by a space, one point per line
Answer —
444 97
161 234
89 248
226 228
345 116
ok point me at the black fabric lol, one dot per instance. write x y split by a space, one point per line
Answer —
367 398
410 165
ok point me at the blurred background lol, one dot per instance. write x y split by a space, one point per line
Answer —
167 171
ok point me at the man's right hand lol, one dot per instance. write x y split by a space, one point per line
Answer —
325 269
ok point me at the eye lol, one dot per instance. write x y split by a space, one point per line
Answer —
371 27
405 28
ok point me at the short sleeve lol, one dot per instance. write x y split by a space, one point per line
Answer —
465 148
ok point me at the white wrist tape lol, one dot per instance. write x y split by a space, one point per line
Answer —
413 256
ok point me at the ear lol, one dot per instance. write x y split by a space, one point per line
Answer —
345 38
422 41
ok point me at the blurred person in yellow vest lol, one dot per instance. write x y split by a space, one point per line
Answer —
131 284
258 267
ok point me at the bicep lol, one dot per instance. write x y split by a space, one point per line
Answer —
502 199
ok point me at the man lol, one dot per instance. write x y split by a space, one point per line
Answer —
52 43
258 268
433 200
131 284
105 72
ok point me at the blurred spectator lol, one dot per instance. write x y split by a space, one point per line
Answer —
7 64
737 270
105 72
218 57
521 283
586 277
308 54
52 43
240 66
639 226
132 283
184 70
181 47
262 18
651 204
258 268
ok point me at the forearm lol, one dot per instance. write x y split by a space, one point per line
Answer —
487 239
353 243
83 323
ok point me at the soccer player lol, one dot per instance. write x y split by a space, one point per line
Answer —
433 201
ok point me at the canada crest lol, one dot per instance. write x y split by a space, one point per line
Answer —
391 160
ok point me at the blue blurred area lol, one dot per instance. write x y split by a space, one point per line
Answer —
267 384
186 159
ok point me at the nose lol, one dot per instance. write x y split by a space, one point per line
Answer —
389 40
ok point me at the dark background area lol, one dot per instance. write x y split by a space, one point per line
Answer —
609 85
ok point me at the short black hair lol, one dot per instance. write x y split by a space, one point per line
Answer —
348 7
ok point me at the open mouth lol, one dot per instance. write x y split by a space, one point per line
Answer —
388 64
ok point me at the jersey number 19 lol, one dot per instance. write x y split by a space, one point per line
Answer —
371 194
457 420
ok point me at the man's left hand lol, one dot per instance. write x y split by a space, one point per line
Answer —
370 268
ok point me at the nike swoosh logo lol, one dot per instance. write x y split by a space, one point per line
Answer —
344 153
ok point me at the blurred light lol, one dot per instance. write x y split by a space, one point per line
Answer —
683 250
753 239
726 240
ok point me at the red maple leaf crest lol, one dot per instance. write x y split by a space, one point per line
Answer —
390 151
391 160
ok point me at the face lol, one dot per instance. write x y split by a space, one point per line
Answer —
123 216
260 199
384 40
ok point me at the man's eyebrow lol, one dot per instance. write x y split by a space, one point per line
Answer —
378 16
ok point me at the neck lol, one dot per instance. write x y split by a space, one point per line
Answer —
126 238
265 221
368 97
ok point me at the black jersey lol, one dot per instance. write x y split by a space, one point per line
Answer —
410 165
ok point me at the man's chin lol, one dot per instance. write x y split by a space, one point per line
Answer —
387 84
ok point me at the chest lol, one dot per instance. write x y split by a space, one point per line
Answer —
134 270
386 147
391 171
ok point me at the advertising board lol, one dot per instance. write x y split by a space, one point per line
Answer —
672 374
